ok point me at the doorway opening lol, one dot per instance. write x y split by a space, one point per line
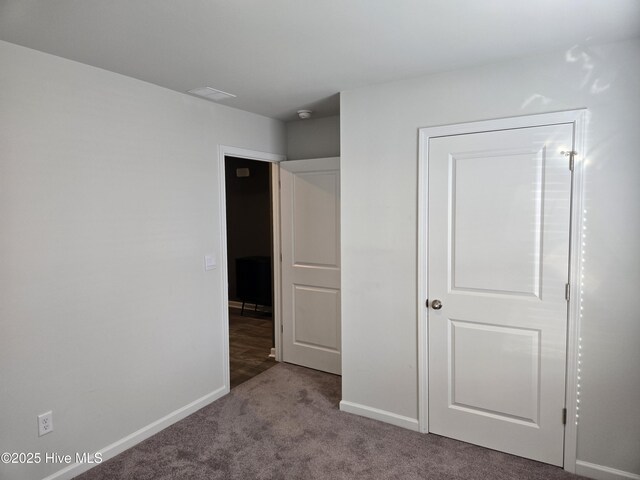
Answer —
251 290
249 268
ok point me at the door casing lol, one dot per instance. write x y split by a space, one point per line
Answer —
578 119
274 159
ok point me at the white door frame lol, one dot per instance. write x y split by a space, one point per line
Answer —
224 151
578 119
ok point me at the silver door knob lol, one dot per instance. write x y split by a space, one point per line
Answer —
436 304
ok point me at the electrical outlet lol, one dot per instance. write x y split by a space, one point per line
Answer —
45 423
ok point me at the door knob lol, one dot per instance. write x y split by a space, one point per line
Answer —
436 304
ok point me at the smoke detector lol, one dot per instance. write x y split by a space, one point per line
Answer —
304 114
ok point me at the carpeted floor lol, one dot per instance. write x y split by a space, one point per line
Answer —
285 424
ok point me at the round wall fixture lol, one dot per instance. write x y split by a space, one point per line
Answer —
304 114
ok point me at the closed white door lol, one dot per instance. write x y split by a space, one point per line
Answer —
498 254
310 223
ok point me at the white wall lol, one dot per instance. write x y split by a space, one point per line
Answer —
108 202
379 227
313 138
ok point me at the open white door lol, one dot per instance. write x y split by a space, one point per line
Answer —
498 256
310 236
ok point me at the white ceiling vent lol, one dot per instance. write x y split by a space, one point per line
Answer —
211 93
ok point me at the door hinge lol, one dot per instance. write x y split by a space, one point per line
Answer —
567 291
280 257
571 156
281 328
564 416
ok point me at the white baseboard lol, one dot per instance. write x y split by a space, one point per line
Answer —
600 472
235 304
248 306
138 436
381 415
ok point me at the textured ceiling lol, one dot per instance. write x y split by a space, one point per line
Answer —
278 56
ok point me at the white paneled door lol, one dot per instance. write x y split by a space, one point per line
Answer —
498 256
310 226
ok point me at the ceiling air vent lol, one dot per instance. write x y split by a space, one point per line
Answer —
211 93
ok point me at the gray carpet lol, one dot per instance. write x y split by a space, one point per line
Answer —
285 424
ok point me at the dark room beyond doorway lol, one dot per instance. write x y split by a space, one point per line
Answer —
249 257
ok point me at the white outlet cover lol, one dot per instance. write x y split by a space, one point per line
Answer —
45 423
209 262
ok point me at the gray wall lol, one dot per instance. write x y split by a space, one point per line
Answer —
379 136
248 214
313 138
109 199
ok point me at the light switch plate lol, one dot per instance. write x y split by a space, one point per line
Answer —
209 262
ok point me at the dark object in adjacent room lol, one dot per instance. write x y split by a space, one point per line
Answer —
253 281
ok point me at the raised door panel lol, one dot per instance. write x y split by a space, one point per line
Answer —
501 377
496 236
315 219
316 318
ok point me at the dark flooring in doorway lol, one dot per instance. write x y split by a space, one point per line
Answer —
250 342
